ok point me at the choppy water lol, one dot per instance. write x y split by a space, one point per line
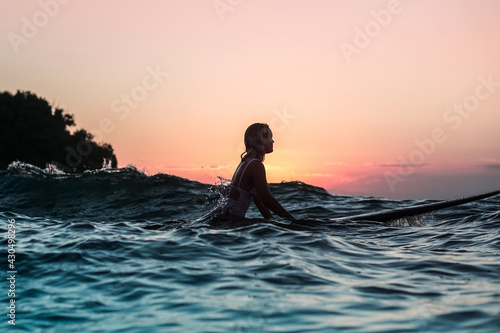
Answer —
119 251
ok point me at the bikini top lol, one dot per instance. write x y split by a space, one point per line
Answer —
240 206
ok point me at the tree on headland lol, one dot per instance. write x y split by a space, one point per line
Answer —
32 131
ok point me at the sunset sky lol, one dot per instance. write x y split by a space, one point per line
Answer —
397 99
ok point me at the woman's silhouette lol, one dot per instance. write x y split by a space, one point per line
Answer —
249 180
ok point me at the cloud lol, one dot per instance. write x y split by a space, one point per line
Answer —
202 167
491 166
335 163
326 175
400 165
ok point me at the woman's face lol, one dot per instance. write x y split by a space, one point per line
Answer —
268 142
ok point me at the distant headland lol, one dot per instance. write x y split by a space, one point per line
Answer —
37 133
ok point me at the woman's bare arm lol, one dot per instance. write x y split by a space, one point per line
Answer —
258 173
262 208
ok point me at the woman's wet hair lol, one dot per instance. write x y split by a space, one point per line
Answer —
253 138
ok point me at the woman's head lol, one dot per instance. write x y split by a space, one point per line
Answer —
258 141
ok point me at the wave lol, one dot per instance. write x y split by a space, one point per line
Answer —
130 194
126 193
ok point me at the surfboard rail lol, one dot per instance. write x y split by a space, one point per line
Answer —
398 213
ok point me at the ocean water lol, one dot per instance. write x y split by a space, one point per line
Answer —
119 251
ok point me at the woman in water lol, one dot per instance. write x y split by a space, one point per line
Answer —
249 180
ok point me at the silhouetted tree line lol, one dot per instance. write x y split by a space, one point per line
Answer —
32 131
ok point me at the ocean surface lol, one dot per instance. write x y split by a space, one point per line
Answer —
116 250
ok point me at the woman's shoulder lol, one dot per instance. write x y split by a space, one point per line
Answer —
251 165
255 166
253 162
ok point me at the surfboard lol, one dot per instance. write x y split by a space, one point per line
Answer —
398 213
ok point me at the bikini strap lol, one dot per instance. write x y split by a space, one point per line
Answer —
245 169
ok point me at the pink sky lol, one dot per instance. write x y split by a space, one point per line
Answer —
398 99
